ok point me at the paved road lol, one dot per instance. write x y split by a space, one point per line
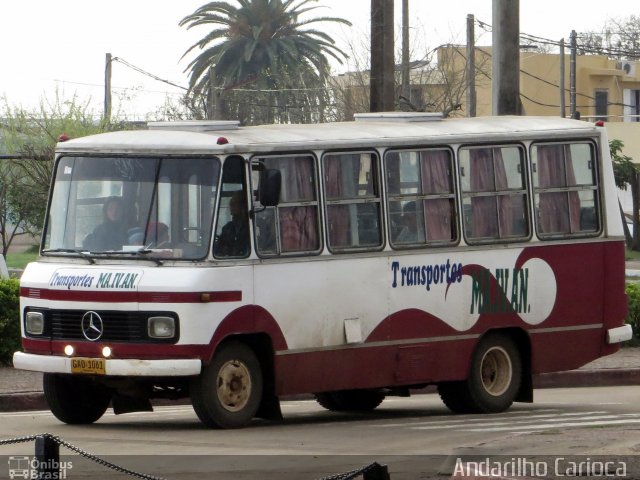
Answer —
411 435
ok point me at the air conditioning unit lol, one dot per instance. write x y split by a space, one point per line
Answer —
629 68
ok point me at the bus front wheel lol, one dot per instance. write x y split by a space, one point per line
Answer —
494 378
227 393
75 400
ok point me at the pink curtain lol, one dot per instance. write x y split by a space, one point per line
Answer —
298 225
559 212
435 170
484 214
493 216
337 215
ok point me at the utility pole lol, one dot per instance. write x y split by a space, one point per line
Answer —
107 89
563 107
382 80
572 76
506 58
406 71
471 67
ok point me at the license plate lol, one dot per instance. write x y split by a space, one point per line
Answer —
96 366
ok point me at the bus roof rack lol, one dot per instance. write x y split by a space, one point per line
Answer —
398 116
195 125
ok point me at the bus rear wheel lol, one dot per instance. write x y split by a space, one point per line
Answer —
494 379
75 400
350 400
228 392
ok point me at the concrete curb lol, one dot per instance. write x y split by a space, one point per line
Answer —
24 401
588 378
28 401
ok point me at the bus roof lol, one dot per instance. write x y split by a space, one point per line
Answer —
183 138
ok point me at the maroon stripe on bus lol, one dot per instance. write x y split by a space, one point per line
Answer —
120 297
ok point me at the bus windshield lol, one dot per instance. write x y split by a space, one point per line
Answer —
121 205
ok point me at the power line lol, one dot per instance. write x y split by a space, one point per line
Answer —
148 74
99 85
547 41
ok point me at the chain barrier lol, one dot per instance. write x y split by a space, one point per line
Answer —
10 441
82 453
340 476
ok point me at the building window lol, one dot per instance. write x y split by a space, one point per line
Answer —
631 100
602 105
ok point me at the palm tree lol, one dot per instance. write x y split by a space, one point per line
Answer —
261 44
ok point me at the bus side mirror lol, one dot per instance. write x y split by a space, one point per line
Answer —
270 185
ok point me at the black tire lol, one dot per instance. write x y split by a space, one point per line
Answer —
350 400
228 392
494 379
74 399
454 396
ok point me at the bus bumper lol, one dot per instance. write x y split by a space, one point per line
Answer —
619 334
113 367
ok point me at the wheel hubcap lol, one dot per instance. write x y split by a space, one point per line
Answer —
233 386
496 371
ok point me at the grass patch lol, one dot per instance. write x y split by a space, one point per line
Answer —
20 259
631 255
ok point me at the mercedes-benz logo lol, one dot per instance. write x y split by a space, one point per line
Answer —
92 326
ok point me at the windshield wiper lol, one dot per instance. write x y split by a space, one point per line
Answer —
82 253
142 253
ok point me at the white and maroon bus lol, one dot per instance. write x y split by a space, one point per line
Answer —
237 265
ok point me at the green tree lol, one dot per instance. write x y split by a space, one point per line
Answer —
30 137
626 173
261 45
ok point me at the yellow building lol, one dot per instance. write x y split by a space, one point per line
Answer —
605 89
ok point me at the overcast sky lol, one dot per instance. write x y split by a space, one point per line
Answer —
61 44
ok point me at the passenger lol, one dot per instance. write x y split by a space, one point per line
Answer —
111 234
409 232
234 236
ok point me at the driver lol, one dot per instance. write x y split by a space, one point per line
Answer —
234 237
111 234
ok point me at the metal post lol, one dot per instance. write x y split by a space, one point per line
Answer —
382 81
471 67
572 75
506 57
48 457
406 72
389 81
563 107
377 472
377 49
107 89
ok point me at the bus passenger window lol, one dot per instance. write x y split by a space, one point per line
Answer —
565 189
291 227
353 200
494 198
421 197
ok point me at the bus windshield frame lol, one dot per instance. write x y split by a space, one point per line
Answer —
155 207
